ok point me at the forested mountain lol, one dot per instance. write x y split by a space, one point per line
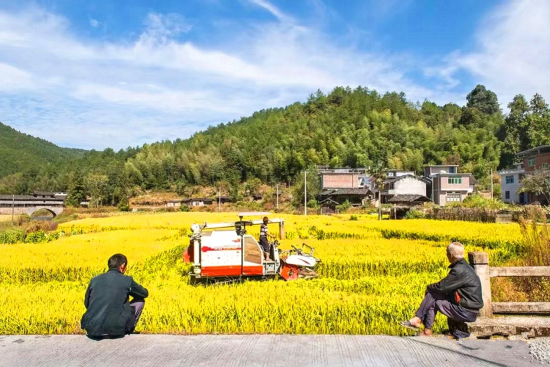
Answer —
21 152
347 127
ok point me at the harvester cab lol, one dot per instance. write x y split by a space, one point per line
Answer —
216 252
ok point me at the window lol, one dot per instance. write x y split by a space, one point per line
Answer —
452 169
454 180
509 179
453 197
531 162
507 195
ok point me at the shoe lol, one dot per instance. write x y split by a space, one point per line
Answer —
407 324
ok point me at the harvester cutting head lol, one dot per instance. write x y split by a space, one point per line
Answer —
228 250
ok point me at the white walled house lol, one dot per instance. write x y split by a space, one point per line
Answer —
413 187
510 181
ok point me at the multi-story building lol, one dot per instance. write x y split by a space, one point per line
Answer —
510 182
535 159
447 185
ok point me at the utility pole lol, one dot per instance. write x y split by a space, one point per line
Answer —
277 196
379 205
305 192
491 183
12 208
219 200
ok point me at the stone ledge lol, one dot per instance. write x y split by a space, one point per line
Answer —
527 326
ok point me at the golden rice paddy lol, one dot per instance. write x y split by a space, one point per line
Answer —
373 274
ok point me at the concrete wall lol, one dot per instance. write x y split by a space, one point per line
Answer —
340 181
511 188
445 185
410 186
429 171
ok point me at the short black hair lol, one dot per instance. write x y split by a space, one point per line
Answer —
266 219
116 260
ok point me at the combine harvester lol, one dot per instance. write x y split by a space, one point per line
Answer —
215 250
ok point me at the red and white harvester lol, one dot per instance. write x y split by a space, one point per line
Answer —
215 251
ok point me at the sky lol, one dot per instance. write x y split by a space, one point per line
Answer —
95 74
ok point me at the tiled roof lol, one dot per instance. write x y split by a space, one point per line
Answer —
406 198
358 191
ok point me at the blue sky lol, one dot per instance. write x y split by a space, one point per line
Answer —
97 74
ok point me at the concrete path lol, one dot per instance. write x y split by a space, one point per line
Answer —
258 350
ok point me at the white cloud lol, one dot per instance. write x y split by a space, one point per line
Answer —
270 8
94 23
512 54
163 86
14 79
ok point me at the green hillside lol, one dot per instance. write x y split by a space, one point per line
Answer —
346 127
21 152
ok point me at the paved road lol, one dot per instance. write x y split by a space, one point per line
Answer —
258 350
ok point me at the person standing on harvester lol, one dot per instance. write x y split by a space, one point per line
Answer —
108 310
264 243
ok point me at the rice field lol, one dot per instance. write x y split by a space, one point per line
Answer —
5 218
373 274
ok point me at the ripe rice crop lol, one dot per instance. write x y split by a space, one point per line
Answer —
372 275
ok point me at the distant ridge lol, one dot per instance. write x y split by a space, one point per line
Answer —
21 152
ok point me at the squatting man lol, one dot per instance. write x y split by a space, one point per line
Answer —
457 296
109 314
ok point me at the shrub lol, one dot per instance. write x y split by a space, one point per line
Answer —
343 207
11 236
313 204
184 208
536 240
123 207
353 217
415 214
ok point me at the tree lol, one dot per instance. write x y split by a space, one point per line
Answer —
378 174
77 190
538 121
97 187
483 99
537 183
313 186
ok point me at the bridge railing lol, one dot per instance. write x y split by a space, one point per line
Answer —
480 262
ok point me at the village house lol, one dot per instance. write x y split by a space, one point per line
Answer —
447 185
173 203
535 159
339 185
197 201
510 182
404 189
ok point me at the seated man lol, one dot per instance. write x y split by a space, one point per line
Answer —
108 312
457 296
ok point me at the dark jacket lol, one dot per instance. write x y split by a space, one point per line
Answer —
461 285
108 311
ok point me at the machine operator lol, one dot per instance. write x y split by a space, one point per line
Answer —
264 243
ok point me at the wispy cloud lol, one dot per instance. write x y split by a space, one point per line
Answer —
512 54
161 85
271 8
